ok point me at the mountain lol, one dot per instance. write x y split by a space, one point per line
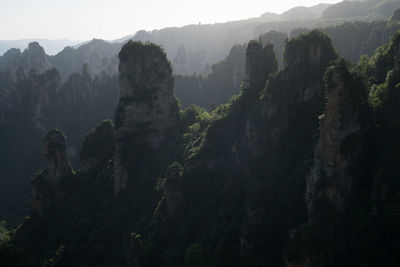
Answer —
98 54
293 171
206 45
297 13
51 47
32 57
215 86
371 8
296 164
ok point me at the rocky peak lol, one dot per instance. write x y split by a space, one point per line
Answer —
35 57
47 187
147 115
55 153
35 48
32 57
297 91
260 63
309 54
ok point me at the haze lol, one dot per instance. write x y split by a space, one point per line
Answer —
87 19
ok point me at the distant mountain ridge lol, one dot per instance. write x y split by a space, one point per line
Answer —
207 44
100 55
51 47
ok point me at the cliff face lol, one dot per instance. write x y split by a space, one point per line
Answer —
338 173
49 186
147 114
260 63
339 148
281 137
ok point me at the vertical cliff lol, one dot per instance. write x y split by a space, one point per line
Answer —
337 176
49 186
339 150
281 137
147 116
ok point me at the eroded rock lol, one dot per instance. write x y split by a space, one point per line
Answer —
147 116
49 186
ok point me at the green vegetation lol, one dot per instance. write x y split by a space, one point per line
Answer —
226 187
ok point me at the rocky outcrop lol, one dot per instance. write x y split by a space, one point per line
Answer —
34 57
49 186
260 63
338 170
292 99
98 146
307 54
339 148
147 116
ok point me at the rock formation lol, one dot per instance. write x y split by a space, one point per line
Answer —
260 63
337 172
338 150
32 57
35 57
98 146
147 115
49 186
292 99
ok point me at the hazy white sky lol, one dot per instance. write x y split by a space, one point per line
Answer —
112 19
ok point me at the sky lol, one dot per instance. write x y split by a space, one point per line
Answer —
113 19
